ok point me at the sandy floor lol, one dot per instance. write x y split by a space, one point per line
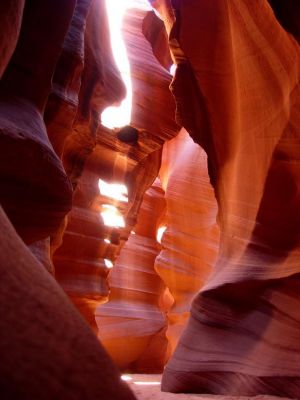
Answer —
147 387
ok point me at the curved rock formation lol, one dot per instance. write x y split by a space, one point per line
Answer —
83 272
47 350
132 325
36 203
237 92
238 96
191 240
37 329
86 80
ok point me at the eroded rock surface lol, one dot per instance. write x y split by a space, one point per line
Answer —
132 324
47 350
237 88
30 169
237 93
190 242
82 272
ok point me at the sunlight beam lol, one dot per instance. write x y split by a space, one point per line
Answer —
160 232
117 117
117 191
112 216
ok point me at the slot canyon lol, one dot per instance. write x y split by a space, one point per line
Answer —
150 199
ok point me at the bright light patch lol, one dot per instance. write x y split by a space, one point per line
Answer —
132 232
115 191
126 378
108 263
107 241
141 4
147 383
160 232
116 117
173 69
111 216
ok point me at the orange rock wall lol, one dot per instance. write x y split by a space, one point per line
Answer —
237 90
48 350
237 95
191 241
82 272
132 324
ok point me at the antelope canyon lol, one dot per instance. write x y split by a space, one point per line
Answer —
150 199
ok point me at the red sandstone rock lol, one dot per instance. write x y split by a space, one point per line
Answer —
32 65
105 156
191 240
237 94
132 325
155 32
86 80
47 350
237 89
153 107
35 191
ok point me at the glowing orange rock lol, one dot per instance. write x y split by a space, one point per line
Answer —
132 325
88 158
237 87
191 240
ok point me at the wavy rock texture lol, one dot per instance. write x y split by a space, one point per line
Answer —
36 203
82 272
38 320
190 242
132 325
47 350
238 95
86 80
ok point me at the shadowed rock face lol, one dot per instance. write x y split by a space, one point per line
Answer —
288 14
237 90
47 350
237 93
30 169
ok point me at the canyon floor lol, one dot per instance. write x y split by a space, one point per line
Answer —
147 387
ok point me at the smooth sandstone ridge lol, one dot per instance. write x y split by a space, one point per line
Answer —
209 158
242 105
47 350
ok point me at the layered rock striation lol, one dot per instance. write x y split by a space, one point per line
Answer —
132 324
237 93
190 242
92 152
35 192
47 349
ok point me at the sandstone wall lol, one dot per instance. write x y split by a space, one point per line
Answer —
237 90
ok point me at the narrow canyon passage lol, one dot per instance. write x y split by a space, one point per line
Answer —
150 199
